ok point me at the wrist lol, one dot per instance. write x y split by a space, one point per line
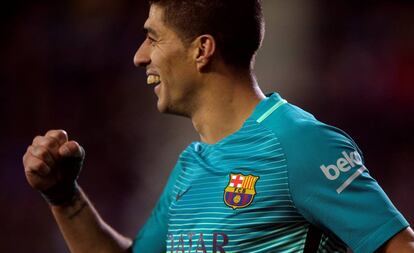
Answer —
61 194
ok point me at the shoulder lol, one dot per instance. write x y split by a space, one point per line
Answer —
314 151
300 133
326 172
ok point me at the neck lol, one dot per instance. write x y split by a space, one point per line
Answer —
227 103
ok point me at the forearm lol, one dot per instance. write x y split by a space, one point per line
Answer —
85 231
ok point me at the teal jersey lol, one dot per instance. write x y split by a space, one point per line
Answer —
264 188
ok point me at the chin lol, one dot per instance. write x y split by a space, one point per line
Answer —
168 109
162 108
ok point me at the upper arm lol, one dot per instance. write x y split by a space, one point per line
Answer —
332 188
403 242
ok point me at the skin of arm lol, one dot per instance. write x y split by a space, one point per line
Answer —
85 231
403 242
46 166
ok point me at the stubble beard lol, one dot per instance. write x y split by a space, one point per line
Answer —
184 107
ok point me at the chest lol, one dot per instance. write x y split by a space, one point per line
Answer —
232 194
221 188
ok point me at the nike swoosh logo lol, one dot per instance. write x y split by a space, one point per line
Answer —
179 195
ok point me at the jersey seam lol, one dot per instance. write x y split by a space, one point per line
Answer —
276 136
363 243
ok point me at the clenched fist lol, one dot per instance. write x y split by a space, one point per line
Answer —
52 164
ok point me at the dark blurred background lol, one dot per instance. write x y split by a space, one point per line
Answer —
68 64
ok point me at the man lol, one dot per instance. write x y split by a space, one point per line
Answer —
265 177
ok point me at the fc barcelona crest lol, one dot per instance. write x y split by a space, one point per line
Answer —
240 190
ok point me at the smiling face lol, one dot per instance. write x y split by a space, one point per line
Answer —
169 64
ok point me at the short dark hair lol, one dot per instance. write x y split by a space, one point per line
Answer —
236 25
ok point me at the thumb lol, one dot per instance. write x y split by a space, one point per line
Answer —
71 149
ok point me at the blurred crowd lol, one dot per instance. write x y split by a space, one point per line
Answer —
69 65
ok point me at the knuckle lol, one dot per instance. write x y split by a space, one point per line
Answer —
78 149
30 169
59 134
51 131
27 152
49 142
27 156
41 140
37 168
24 158
33 165
37 139
74 145
41 153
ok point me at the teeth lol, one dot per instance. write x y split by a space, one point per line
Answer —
153 79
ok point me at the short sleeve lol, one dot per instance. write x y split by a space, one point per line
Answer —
332 188
152 237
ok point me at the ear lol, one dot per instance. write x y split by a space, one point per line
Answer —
205 46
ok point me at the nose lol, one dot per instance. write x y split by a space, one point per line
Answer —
142 56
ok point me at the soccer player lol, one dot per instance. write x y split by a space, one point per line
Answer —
266 176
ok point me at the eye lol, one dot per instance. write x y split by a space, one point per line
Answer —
152 41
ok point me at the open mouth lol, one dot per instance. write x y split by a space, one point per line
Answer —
153 79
